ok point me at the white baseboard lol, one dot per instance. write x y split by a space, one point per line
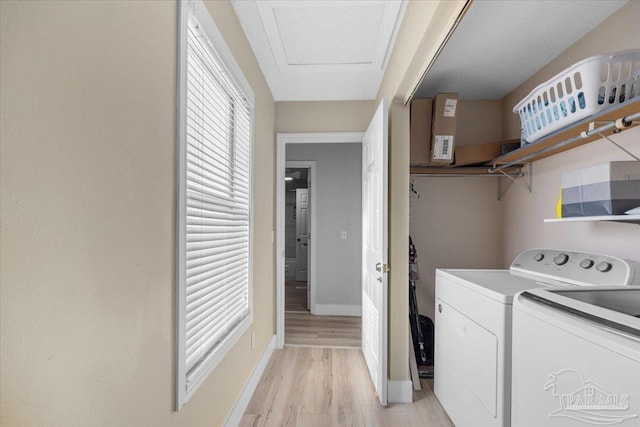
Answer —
337 310
400 391
235 416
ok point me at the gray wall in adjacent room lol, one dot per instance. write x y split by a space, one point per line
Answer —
338 190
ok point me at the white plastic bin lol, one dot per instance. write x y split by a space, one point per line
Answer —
580 91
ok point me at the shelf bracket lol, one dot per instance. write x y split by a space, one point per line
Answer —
527 173
619 146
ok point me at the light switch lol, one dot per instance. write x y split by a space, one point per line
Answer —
343 235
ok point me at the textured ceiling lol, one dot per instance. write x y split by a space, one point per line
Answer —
329 35
321 50
500 43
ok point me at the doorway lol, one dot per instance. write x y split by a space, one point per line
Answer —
297 212
344 292
339 230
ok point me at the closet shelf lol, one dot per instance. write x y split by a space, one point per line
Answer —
462 171
573 136
633 219
570 137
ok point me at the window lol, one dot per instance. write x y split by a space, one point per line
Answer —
214 200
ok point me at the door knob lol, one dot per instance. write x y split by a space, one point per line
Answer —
378 267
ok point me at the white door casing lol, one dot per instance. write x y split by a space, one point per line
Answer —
374 249
302 234
283 139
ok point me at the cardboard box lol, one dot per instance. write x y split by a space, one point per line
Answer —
509 146
610 188
443 128
420 131
479 153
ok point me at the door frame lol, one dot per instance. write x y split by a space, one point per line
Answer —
311 259
282 140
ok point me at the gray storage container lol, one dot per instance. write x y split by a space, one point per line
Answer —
606 189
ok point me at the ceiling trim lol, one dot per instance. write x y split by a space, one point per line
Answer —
277 48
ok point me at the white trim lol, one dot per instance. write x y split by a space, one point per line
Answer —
222 50
400 391
180 203
311 277
292 81
338 310
234 417
282 140
320 138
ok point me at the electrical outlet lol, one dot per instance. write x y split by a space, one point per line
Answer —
343 235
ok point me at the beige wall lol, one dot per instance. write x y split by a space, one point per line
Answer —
425 26
618 32
457 222
88 105
398 337
324 116
523 212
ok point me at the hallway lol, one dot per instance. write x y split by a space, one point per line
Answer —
304 386
295 296
304 329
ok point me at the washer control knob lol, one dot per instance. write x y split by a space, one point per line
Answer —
561 259
604 266
586 264
538 257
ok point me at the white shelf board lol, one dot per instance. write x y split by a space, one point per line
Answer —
634 219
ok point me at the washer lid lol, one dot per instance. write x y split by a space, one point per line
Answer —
616 303
604 308
499 285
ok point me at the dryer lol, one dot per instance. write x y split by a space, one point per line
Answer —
473 325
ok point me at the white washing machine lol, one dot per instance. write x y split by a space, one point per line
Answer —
576 357
472 376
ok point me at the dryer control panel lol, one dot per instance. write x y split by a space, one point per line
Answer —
578 268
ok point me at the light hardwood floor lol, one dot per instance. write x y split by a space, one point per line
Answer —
325 331
323 387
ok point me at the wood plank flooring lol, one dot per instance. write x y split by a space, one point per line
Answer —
304 329
310 386
295 295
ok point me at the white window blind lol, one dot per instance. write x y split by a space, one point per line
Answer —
215 210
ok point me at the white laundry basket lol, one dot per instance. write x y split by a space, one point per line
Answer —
581 90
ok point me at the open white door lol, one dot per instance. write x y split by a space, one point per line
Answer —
374 249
